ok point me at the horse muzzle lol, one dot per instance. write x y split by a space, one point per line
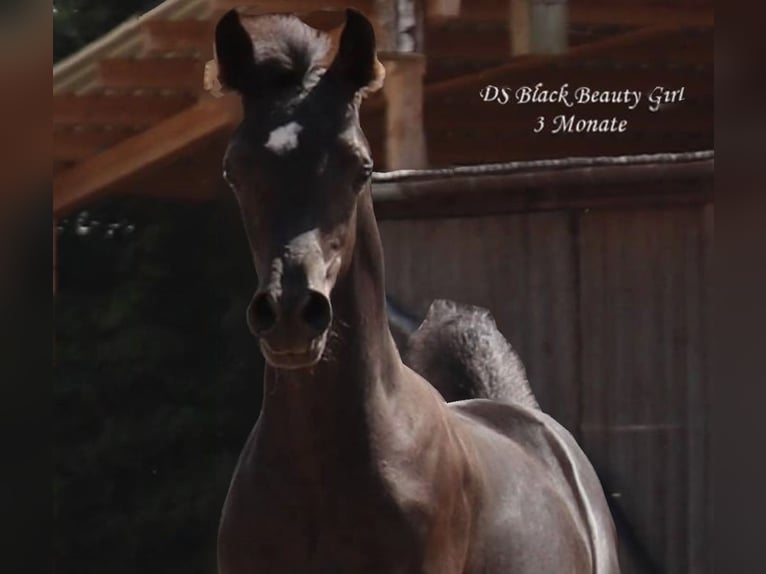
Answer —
292 330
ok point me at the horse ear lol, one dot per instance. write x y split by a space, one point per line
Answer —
356 60
234 55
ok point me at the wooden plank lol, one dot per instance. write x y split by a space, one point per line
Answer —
189 178
533 202
642 14
117 110
76 145
442 68
640 307
156 146
485 40
606 13
182 74
700 366
187 36
472 147
614 46
518 266
550 326
570 189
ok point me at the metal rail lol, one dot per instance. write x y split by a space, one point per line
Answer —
514 167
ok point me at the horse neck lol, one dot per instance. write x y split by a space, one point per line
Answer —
338 407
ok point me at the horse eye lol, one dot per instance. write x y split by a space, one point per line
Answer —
364 174
227 177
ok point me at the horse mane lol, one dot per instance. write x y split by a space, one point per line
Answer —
460 350
288 52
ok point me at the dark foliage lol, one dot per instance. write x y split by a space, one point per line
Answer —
78 22
157 383
157 380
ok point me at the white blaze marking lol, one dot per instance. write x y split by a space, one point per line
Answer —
284 138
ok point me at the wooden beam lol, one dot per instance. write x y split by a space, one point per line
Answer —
459 39
606 13
545 189
490 40
636 196
610 46
76 145
144 151
193 177
452 147
641 14
136 111
186 36
442 68
183 74
403 90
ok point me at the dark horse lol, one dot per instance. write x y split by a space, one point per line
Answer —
356 464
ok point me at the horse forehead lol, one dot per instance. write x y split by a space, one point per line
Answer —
308 139
284 138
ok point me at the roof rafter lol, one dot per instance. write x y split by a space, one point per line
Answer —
136 155
133 110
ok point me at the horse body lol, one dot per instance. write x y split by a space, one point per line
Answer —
490 488
356 464
553 516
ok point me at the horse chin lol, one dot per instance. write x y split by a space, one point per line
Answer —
295 359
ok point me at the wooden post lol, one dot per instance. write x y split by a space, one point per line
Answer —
550 26
539 26
385 23
403 91
520 21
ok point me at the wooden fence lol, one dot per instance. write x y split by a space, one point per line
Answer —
601 284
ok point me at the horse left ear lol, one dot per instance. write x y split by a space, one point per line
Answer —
356 60
234 64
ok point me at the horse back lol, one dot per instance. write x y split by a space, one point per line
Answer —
526 454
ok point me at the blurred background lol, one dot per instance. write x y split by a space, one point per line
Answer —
157 378
591 250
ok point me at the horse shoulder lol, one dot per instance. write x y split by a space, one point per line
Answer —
534 447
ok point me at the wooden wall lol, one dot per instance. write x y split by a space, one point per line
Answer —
607 308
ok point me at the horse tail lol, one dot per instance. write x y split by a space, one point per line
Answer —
460 351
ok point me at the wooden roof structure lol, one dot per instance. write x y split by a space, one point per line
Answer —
130 114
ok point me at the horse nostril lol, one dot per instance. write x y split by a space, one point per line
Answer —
263 314
317 312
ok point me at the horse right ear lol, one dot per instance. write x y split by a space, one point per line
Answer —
234 55
356 60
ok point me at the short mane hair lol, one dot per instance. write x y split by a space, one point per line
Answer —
288 52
